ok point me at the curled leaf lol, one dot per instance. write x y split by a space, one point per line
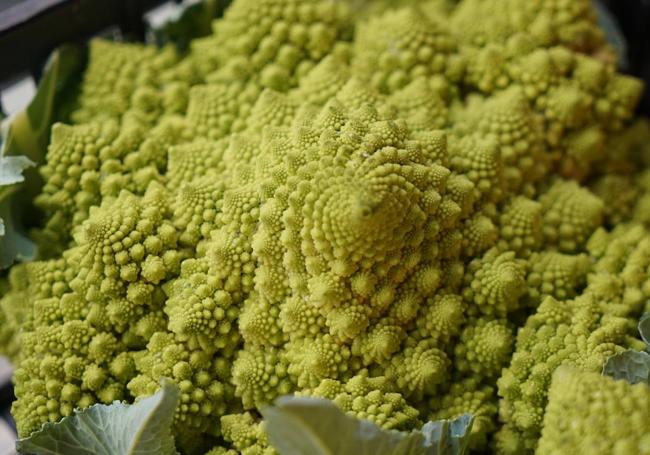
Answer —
14 244
632 366
12 167
644 329
143 428
451 437
23 143
313 426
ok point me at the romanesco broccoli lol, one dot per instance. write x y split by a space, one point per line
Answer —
415 211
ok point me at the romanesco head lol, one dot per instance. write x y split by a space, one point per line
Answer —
607 416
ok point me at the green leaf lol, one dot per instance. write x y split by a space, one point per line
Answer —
23 144
12 167
14 244
633 366
313 426
644 330
450 437
613 34
28 131
143 428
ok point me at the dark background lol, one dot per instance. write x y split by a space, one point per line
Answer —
633 17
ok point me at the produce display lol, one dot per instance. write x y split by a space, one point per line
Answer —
418 210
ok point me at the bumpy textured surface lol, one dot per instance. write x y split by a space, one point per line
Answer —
414 209
368 398
581 332
605 416
401 45
274 42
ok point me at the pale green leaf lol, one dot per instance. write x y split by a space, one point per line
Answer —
28 131
143 428
632 366
313 426
12 167
14 245
644 329
23 143
450 437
